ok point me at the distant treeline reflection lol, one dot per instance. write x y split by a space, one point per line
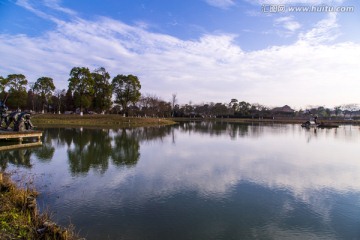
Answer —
87 148
95 149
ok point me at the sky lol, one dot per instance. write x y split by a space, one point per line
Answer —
271 52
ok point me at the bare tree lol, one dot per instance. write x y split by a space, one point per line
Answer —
173 102
59 97
350 108
337 110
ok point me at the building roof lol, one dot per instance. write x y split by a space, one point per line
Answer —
285 109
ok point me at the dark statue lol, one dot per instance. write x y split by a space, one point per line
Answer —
3 110
21 120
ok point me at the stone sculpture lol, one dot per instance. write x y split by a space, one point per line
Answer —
20 120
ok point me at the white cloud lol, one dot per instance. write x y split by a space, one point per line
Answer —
287 24
28 6
325 30
221 3
56 5
211 68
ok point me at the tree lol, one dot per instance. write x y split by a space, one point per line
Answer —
151 105
350 108
45 87
173 103
69 101
258 110
244 108
102 97
31 98
234 106
321 111
147 105
81 84
337 110
164 109
3 85
59 99
219 109
126 90
18 94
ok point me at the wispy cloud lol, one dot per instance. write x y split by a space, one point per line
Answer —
288 25
28 6
56 5
224 4
53 4
325 30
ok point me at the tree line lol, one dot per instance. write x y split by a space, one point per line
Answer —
89 91
243 109
95 92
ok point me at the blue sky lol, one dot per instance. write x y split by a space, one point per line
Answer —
203 50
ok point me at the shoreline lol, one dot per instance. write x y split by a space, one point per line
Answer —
272 121
118 121
20 217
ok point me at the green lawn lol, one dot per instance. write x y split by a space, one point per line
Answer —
96 120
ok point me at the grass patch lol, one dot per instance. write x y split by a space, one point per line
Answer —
19 217
96 120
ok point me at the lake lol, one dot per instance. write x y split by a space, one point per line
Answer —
198 180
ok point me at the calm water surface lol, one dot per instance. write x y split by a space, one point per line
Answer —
199 181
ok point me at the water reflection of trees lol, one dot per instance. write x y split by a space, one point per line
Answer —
19 157
213 128
153 133
235 130
22 157
94 148
126 151
47 150
91 148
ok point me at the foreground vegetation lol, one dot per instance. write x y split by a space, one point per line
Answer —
96 120
19 217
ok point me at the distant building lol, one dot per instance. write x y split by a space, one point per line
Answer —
284 111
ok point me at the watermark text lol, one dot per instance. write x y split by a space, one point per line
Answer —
281 8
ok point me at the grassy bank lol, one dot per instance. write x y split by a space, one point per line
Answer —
19 216
96 120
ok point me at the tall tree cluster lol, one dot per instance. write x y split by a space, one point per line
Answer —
87 91
81 86
126 90
44 88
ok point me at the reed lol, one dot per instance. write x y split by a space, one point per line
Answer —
20 218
